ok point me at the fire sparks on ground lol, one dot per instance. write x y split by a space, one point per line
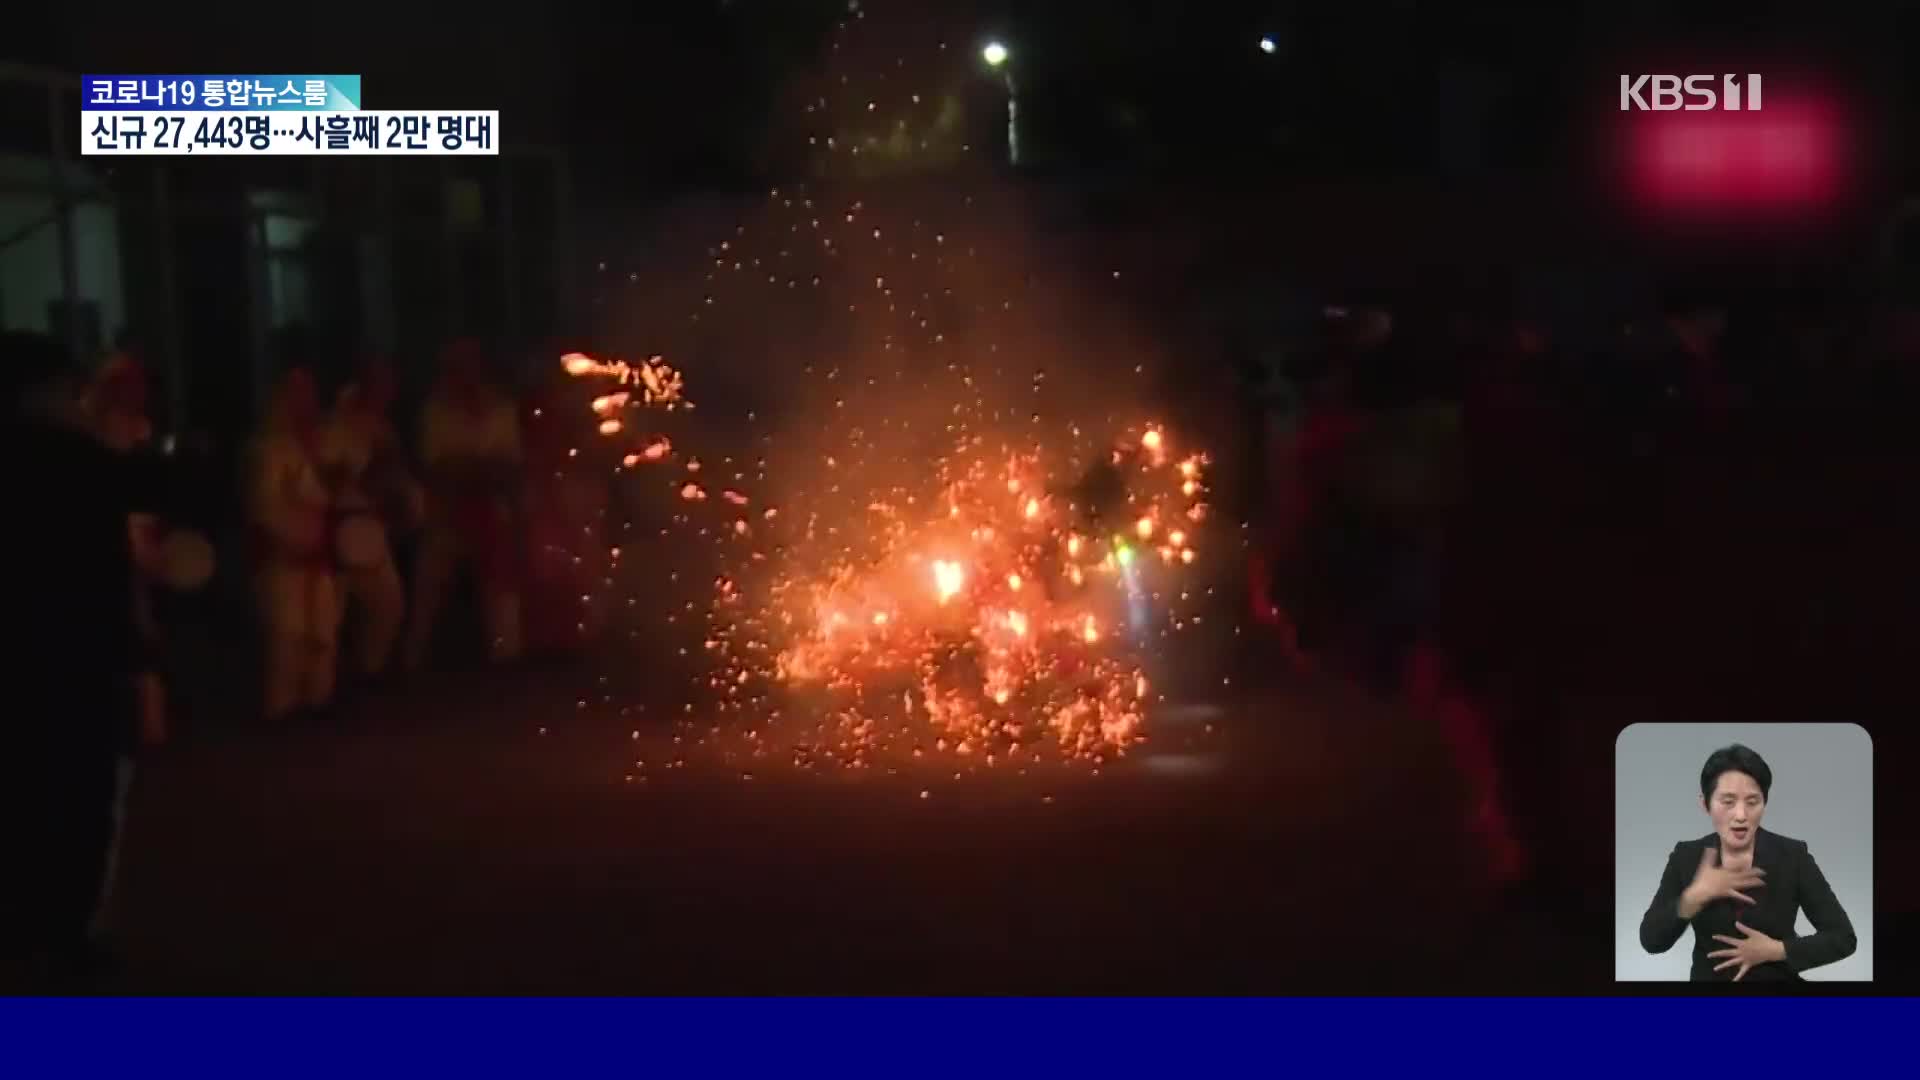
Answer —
974 617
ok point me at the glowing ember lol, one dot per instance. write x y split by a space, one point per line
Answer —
948 578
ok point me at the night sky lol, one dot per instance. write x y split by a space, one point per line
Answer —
656 98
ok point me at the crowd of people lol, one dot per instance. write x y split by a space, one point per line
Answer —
336 501
332 501
1535 541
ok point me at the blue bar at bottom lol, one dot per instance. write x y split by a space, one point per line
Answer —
1060 1038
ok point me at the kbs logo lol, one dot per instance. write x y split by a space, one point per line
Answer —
1693 93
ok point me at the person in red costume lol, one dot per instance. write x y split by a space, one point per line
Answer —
470 451
290 510
364 466
1306 452
117 402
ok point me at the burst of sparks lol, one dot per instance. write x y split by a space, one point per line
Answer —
974 615
659 384
968 600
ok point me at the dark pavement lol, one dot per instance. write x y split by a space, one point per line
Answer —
434 840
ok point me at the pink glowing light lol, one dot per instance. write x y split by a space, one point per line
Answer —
1792 156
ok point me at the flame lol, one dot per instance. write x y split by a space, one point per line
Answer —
948 578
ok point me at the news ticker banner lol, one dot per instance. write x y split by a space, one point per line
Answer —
271 115
219 93
1121 1037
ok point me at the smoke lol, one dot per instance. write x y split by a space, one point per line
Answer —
852 337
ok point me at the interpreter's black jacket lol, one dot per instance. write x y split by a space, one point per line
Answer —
1793 884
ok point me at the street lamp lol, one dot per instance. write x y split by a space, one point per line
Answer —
996 56
1268 45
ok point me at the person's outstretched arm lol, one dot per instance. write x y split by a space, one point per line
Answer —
1662 925
1832 939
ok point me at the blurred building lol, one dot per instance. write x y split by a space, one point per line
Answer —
224 269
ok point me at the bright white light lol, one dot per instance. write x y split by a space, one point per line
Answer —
994 54
1267 45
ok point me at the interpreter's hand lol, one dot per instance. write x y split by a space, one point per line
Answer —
1747 952
1715 882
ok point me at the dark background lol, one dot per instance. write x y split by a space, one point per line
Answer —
661 98
1377 107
